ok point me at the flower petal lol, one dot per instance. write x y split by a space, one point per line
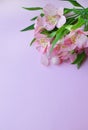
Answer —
55 60
61 21
45 60
38 25
49 27
81 40
50 22
60 11
50 9
72 57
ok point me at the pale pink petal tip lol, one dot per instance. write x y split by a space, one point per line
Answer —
55 60
61 22
45 60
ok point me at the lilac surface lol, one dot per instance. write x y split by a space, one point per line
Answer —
33 97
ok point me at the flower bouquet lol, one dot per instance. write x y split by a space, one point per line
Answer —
61 34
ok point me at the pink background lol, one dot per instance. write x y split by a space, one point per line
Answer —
34 97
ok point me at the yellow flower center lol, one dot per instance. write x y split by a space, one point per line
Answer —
51 19
73 38
43 42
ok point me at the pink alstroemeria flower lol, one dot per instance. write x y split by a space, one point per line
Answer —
53 17
76 39
61 54
42 43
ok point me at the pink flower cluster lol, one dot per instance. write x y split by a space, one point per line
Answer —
65 49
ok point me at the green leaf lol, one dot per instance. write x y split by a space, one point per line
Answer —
78 11
34 18
45 32
32 41
28 28
80 58
71 20
67 10
37 17
82 12
52 34
69 27
33 8
74 3
59 35
41 14
86 26
79 24
49 34
72 52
